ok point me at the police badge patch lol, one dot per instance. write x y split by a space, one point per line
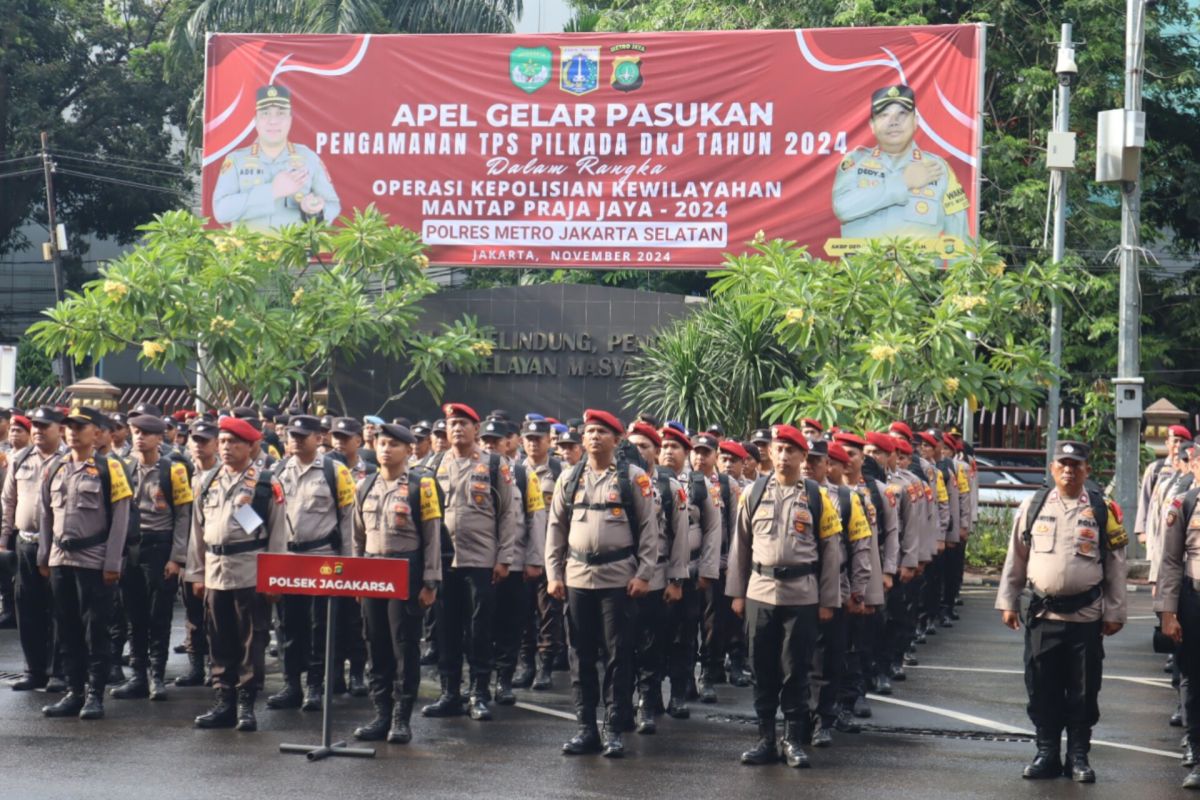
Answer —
579 70
627 73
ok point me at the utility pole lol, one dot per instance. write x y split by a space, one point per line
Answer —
53 253
1128 385
1060 158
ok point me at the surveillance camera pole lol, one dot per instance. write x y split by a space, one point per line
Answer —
1066 74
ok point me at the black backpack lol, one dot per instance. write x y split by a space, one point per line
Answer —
105 482
815 505
494 481
414 492
662 479
571 486
1099 510
329 468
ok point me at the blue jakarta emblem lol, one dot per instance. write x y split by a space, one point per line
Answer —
530 67
579 70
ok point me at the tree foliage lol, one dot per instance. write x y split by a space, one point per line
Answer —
854 341
265 312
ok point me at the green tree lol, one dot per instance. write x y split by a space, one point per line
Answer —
854 341
264 312
89 74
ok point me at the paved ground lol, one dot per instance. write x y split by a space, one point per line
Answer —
953 730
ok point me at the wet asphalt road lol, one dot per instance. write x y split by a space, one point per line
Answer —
950 742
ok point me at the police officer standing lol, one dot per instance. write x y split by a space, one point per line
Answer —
202 447
785 566
162 494
1068 544
223 568
602 548
397 515
84 522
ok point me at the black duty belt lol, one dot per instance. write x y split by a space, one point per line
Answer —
152 537
1064 604
662 560
785 573
411 555
333 539
608 557
234 548
694 554
82 543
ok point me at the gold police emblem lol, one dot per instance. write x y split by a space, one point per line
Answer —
922 207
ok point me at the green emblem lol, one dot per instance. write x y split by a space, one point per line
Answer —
530 67
627 73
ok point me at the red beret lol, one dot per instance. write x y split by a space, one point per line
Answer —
677 436
952 442
23 421
903 446
553 421
1180 432
460 410
180 415
812 423
927 439
240 428
902 429
786 433
647 430
734 449
851 439
838 453
884 442
603 418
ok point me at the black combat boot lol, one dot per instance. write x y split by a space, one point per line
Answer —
1077 768
1046 762
450 703
523 677
477 702
289 696
645 716
613 746
707 693
845 722
586 739
793 751
377 729
823 733
401 732
765 751
862 709
246 721
314 693
504 689
543 679
676 707
116 675
223 714
883 685
195 672
158 684
29 682
68 706
135 688
358 683
1192 781
739 676
93 704
429 656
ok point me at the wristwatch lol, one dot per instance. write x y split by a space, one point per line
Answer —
676 581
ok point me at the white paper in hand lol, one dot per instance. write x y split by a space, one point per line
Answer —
247 518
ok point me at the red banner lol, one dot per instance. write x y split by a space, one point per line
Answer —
603 150
333 576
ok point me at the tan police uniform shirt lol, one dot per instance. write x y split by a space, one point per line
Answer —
213 523
530 512
672 562
472 507
156 511
594 530
74 507
782 533
385 522
704 531
900 499
21 499
313 506
1064 558
856 541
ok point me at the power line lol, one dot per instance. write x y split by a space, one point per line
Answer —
17 158
122 182
19 173
115 165
95 156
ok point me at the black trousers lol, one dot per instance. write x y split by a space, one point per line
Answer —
828 666
858 662
467 605
301 636
543 633
82 606
601 620
1063 665
393 630
118 625
510 620
1187 658
149 601
952 577
720 629
683 626
238 624
195 639
35 614
651 645
782 640
349 638
900 624
931 589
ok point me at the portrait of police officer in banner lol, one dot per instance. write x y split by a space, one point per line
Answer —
895 188
273 182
